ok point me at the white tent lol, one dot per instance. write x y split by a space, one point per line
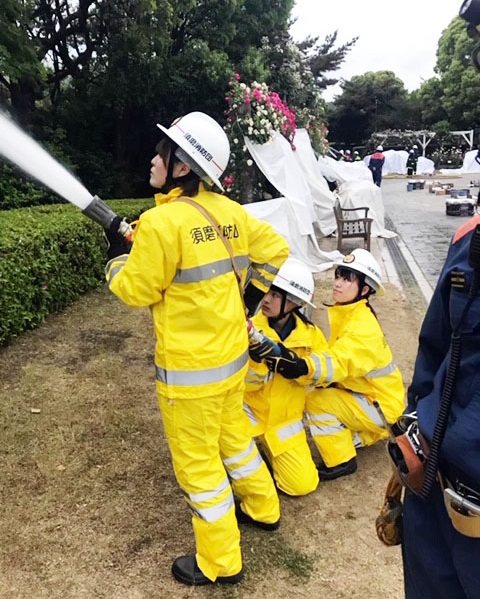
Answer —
470 165
396 163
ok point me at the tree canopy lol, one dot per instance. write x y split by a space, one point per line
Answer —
91 77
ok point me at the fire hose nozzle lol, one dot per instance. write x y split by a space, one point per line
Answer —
98 211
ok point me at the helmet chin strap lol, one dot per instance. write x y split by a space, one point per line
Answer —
282 314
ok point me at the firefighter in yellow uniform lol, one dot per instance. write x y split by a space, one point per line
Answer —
180 268
274 404
356 369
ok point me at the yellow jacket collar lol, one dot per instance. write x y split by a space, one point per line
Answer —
347 308
176 192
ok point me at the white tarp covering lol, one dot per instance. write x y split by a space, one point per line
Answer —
308 203
341 171
470 165
396 163
355 194
280 214
275 160
323 198
425 166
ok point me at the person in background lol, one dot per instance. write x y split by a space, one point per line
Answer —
356 369
180 268
412 163
375 164
341 156
477 157
275 404
348 156
356 156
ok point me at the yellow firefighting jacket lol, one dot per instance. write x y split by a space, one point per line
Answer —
274 404
180 268
359 359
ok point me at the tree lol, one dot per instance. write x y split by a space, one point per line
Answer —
371 102
429 102
460 80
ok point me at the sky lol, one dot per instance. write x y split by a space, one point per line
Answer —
399 36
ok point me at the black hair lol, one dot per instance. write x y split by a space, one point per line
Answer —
189 183
349 274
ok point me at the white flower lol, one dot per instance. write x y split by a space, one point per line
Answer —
249 162
235 141
262 131
250 130
242 86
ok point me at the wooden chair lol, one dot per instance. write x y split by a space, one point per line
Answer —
349 226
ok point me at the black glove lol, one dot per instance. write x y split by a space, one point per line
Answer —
260 350
289 364
117 244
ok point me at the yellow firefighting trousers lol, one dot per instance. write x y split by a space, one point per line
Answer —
340 421
212 451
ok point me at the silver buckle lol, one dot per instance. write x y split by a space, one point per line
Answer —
460 504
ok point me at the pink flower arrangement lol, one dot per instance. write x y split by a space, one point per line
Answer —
259 112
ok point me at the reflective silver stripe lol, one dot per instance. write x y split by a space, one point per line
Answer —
111 273
211 514
208 495
368 409
251 416
188 378
357 442
318 369
289 431
322 430
240 456
255 275
267 267
209 271
329 363
388 369
247 469
253 377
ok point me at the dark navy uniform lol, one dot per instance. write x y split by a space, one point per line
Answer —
439 561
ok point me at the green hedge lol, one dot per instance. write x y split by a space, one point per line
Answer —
50 255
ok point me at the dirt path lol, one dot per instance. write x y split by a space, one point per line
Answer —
90 507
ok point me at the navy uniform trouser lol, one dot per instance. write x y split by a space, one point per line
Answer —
438 561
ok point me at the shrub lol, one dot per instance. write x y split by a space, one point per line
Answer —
51 255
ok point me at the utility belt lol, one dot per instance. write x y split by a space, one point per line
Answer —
409 451
463 505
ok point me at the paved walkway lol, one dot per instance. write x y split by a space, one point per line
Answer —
424 231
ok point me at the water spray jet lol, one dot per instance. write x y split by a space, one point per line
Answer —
23 151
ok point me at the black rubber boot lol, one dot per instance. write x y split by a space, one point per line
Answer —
344 469
243 518
186 571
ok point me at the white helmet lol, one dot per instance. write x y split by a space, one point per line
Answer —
379 148
296 279
202 143
347 152
362 261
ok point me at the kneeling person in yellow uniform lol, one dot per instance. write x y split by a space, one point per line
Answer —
274 404
356 369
